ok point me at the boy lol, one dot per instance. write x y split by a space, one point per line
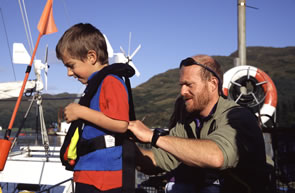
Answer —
104 113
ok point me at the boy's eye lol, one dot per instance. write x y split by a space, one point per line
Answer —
71 66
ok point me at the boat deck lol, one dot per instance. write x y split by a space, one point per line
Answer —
31 165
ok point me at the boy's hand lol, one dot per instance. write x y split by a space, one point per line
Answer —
71 112
141 131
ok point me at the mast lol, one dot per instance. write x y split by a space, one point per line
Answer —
241 33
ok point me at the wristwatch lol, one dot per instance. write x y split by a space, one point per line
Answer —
157 133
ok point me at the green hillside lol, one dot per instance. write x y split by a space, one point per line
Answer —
154 99
51 106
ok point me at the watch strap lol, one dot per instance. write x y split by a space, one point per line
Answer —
157 133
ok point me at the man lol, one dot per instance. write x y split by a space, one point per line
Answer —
218 146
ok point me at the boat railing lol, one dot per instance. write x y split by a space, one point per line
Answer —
58 184
68 188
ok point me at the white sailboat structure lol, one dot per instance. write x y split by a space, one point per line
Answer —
64 127
121 57
12 89
33 167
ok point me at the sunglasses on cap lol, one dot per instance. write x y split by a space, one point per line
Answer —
189 61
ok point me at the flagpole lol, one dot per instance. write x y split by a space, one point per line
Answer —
46 25
29 67
5 144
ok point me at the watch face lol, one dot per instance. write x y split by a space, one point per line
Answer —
161 131
157 133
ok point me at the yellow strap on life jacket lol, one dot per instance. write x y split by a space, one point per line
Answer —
72 152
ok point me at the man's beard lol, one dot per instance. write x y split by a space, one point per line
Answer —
200 101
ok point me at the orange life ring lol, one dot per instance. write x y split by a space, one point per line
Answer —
240 76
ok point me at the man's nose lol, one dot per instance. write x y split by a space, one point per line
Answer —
183 90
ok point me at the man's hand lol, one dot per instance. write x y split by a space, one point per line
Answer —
141 131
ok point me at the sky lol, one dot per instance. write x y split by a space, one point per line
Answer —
167 30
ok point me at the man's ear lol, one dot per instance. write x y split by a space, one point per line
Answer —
91 56
214 83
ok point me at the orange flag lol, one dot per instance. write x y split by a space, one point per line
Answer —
46 23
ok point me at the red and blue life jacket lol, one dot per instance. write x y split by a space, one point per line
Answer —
87 152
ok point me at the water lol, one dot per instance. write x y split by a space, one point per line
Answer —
33 139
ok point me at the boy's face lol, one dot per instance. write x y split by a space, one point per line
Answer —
79 69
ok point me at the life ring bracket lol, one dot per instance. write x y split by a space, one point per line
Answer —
251 87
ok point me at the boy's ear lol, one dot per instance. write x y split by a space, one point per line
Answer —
91 56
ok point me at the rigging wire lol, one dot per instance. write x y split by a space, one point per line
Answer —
26 25
22 13
13 99
8 44
66 13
